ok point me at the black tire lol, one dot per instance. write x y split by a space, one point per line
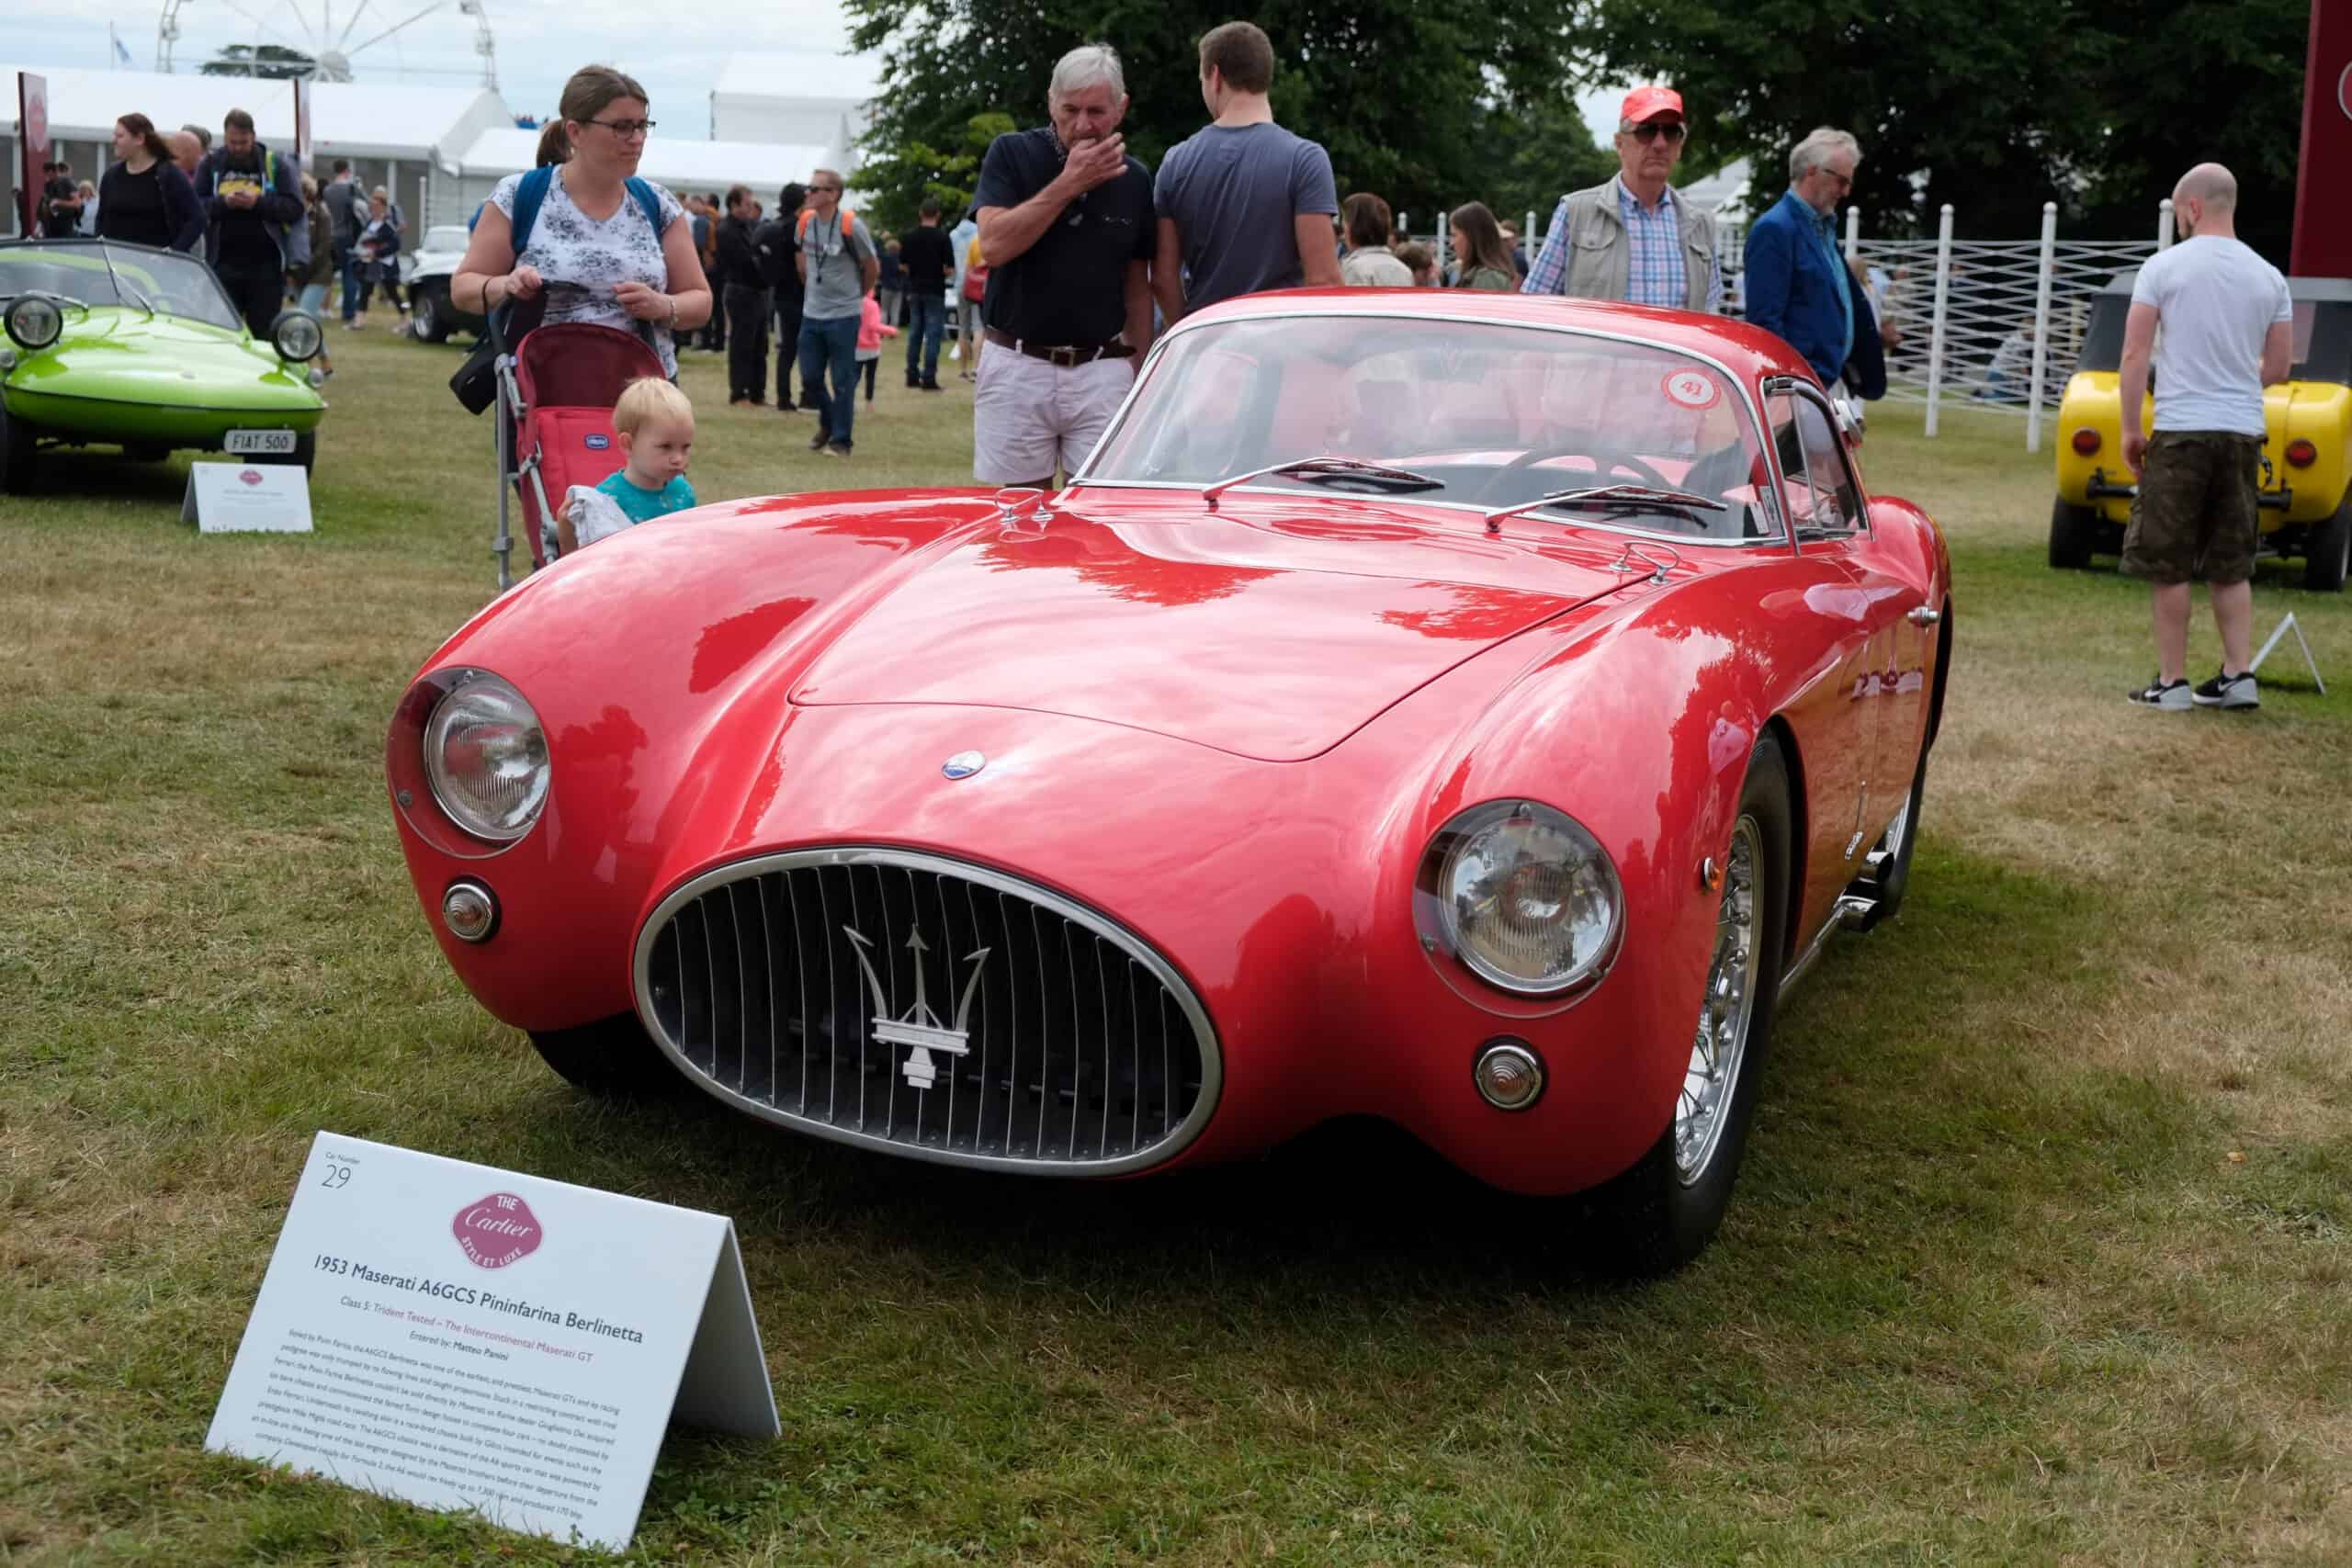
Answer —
1657 1216
146 452
15 454
2327 554
610 1057
1887 884
2074 533
429 315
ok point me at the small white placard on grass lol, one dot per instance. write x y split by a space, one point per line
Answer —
247 498
464 1336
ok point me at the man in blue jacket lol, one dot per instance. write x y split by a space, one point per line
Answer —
250 197
1797 281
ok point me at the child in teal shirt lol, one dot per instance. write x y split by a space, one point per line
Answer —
656 426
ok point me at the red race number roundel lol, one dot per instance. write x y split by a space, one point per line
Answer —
1692 389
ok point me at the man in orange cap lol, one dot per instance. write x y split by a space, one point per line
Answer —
1633 237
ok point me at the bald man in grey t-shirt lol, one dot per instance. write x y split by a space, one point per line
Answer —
2228 332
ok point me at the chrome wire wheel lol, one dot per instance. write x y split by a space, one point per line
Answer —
1720 1046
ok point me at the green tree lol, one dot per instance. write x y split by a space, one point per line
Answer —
274 62
2199 81
1411 101
1994 106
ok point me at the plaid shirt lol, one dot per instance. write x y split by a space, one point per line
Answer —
1655 271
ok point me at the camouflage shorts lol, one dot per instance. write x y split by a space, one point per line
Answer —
2194 519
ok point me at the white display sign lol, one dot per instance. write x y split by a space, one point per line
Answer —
247 498
464 1336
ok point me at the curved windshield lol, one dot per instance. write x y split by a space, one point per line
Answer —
1489 416
163 281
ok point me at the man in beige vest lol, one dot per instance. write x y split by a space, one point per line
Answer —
1634 239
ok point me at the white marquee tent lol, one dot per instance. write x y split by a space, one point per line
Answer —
801 99
394 135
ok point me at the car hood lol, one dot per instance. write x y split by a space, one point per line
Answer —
1268 631
169 361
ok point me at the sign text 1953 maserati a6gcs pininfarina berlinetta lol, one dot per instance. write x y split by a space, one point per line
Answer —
1466 710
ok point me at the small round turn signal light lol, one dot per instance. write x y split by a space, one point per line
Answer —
2086 441
2301 454
470 912
1508 1075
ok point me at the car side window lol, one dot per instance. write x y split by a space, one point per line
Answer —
1838 502
1796 489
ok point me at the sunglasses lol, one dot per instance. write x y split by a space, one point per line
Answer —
1651 130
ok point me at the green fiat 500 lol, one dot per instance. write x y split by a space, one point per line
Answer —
126 346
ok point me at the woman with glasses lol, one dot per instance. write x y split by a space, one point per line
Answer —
604 245
1635 238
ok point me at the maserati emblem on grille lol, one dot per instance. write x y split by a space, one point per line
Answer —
920 1027
963 765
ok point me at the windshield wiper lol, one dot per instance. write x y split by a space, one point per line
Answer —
1400 481
120 288
1608 498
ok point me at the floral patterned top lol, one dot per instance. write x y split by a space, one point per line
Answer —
581 259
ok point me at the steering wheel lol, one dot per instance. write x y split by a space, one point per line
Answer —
1534 455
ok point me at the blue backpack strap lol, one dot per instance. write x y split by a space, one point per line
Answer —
530 193
648 202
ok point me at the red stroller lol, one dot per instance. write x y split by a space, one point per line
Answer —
555 427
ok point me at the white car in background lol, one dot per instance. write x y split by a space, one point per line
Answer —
429 268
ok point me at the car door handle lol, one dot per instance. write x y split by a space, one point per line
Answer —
1923 617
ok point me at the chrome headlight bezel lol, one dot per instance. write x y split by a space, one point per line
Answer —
34 322
297 336
501 716
1440 901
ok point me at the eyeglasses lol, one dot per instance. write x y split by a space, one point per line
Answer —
627 130
1649 131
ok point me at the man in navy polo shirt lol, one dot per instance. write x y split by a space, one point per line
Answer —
1068 231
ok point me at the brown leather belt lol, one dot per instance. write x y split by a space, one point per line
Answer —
1065 355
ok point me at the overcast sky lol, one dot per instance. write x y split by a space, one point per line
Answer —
540 42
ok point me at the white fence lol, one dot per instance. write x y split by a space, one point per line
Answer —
1989 324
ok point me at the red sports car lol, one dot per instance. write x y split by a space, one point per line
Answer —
1469 710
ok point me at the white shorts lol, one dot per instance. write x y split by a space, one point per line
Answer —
1030 417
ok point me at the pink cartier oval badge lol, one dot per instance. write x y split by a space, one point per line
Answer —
499 1230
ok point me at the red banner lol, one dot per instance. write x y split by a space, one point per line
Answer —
2322 246
32 140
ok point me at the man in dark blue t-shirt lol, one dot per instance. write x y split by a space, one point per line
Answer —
1067 229
1244 205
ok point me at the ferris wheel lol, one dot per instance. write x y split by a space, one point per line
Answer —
336 45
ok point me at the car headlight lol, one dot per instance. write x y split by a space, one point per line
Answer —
34 322
1522 894
486 759
297 336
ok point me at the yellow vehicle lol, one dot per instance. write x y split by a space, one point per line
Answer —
2306 456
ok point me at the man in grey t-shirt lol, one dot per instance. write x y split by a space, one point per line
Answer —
1244 205
838 264
2228 332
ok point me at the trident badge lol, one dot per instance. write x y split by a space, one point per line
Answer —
920 1027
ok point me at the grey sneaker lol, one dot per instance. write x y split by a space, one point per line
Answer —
2169 696
2227 691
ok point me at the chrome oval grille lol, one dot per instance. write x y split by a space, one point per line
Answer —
932 1007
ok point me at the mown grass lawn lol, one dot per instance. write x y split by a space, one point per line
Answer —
2040 1256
